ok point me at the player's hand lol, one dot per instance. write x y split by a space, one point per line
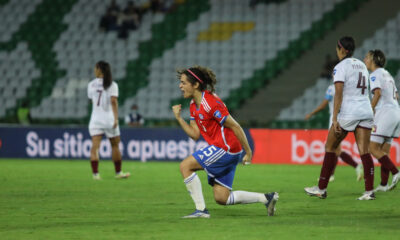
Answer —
308 116
115 123
336 127
177 110
247 159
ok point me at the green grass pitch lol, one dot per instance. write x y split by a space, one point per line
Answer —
54 199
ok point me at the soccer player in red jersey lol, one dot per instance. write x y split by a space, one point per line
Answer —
209 117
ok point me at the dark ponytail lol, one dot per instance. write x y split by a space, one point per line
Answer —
204 76
378 57
106 71
348 44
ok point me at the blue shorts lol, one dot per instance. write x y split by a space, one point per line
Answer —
219 165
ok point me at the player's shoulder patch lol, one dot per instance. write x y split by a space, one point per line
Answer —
217 114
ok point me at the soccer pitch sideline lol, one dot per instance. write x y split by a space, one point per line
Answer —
57 199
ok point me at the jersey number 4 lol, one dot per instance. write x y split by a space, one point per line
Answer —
361 83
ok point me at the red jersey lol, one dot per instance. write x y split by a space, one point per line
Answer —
210 118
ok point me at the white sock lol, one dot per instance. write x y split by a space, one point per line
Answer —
193 185
242 197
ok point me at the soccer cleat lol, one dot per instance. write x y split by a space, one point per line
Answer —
272 198
121 175
381 188
96 176
359 172
198 214
395 180
316 192
367 196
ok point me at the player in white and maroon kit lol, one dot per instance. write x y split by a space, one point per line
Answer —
328 101
352 113
210 118
103 93
386 119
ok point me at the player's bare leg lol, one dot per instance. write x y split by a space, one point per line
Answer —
362 136
381 152
337 151
396 177
330 161
117 158
188 168
94 156
332 149
350 161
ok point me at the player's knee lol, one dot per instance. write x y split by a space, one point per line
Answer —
373 147
221 200
329 148
364 150
114 143
94 149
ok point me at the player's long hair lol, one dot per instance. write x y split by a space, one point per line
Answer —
348 44
378 57
106 71
204 76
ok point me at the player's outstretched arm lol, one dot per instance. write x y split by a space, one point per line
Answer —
239 133
191 130
321 107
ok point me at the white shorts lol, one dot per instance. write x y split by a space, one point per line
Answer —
109 132
386 125
351 125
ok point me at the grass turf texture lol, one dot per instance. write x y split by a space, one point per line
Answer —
53 199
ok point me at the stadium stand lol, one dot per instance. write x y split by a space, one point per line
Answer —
247 46
41 16
77 51
302 73
385 39
248 38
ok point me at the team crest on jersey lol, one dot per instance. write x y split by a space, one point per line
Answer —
217 114
373 78
201 157
201 116
334 72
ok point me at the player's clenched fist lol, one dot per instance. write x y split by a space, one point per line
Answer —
177 110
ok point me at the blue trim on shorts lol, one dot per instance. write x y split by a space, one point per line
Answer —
219 165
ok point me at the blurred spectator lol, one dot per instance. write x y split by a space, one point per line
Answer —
132 16
329 64
168 5
130 20
156 5
114 8
134 119
108 22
